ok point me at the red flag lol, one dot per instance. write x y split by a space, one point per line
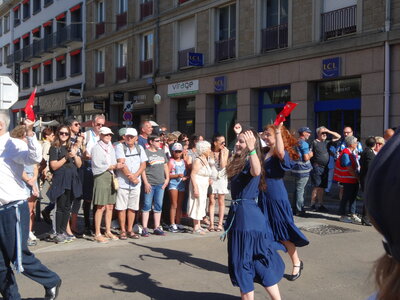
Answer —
281 117
29 106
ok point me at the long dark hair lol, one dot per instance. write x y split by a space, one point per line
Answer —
238 161
194 138
57 142
215 139
387 274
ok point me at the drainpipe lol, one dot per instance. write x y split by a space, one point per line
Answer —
387 69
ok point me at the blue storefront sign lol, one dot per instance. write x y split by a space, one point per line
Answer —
220 84
331 68
195 59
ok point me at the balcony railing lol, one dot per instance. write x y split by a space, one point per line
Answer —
183 57
225 49
339 22
146 9
99 78
50 42
274 37
183 1
146 67
121 20
100 28
121 73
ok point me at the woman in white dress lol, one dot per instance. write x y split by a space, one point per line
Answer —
200 180
218 160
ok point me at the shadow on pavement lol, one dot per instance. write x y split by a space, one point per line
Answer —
142 283
184 258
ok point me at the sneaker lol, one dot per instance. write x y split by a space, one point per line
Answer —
46 216
32 236
173 228
322 209
31 242
60 239
137 229
180 227
355 219
52 293
159 231
68 238
145 232
345 219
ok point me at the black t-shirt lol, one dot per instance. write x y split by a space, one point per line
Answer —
58 153
320 150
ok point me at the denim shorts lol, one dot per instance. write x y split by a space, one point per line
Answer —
155 197
176 185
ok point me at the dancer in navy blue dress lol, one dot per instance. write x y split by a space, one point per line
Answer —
252 252
274 201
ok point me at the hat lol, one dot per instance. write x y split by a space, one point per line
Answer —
105 130
131 131
153 123
122 131
304 129
382 191
177 147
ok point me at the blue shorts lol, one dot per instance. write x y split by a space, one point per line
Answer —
176 185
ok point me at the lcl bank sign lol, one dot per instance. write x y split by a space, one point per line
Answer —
331 68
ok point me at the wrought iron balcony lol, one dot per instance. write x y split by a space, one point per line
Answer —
122 20
225 49
100 28
339 22
274 37
99 78
120 73
146 67
183 57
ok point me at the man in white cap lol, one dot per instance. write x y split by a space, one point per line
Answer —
128 195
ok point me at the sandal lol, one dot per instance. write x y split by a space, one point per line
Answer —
219 228
211 229
133 235
100 239
206 221
122 236
110 236
198 231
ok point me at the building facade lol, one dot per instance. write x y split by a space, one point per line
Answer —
42 46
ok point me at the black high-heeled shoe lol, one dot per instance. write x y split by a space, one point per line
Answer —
296 276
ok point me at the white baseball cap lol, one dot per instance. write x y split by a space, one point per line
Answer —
105 130
131 131
177 147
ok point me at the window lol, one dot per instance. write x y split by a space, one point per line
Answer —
76 20
226 44
122 52
225 117
1 56
275 32
122 6
17 15
146 8
36 6
76 62
100 12
6 53
6 23
26 9
47 2
338 18
36 75
187 41
99 67
1 26
122 13
271 102
60 66
146 64
47 71
25 78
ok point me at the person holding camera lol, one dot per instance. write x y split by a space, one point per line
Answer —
66 185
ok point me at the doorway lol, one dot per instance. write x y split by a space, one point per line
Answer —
186 116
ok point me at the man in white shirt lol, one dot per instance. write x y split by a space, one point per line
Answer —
14 214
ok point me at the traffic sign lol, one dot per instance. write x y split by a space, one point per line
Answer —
128 106
127 123
127 116
8 92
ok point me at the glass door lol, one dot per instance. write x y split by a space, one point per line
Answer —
186 115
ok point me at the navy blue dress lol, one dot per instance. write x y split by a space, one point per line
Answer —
252 252
274 202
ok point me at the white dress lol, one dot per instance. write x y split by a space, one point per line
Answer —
197 206
219 179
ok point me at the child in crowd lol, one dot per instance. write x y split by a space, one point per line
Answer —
178 176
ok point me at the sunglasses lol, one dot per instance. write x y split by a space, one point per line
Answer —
324 133
76 124
178 151
157 141
185 140
64 133
108 134
100 125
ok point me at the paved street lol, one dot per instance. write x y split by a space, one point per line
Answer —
337 264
